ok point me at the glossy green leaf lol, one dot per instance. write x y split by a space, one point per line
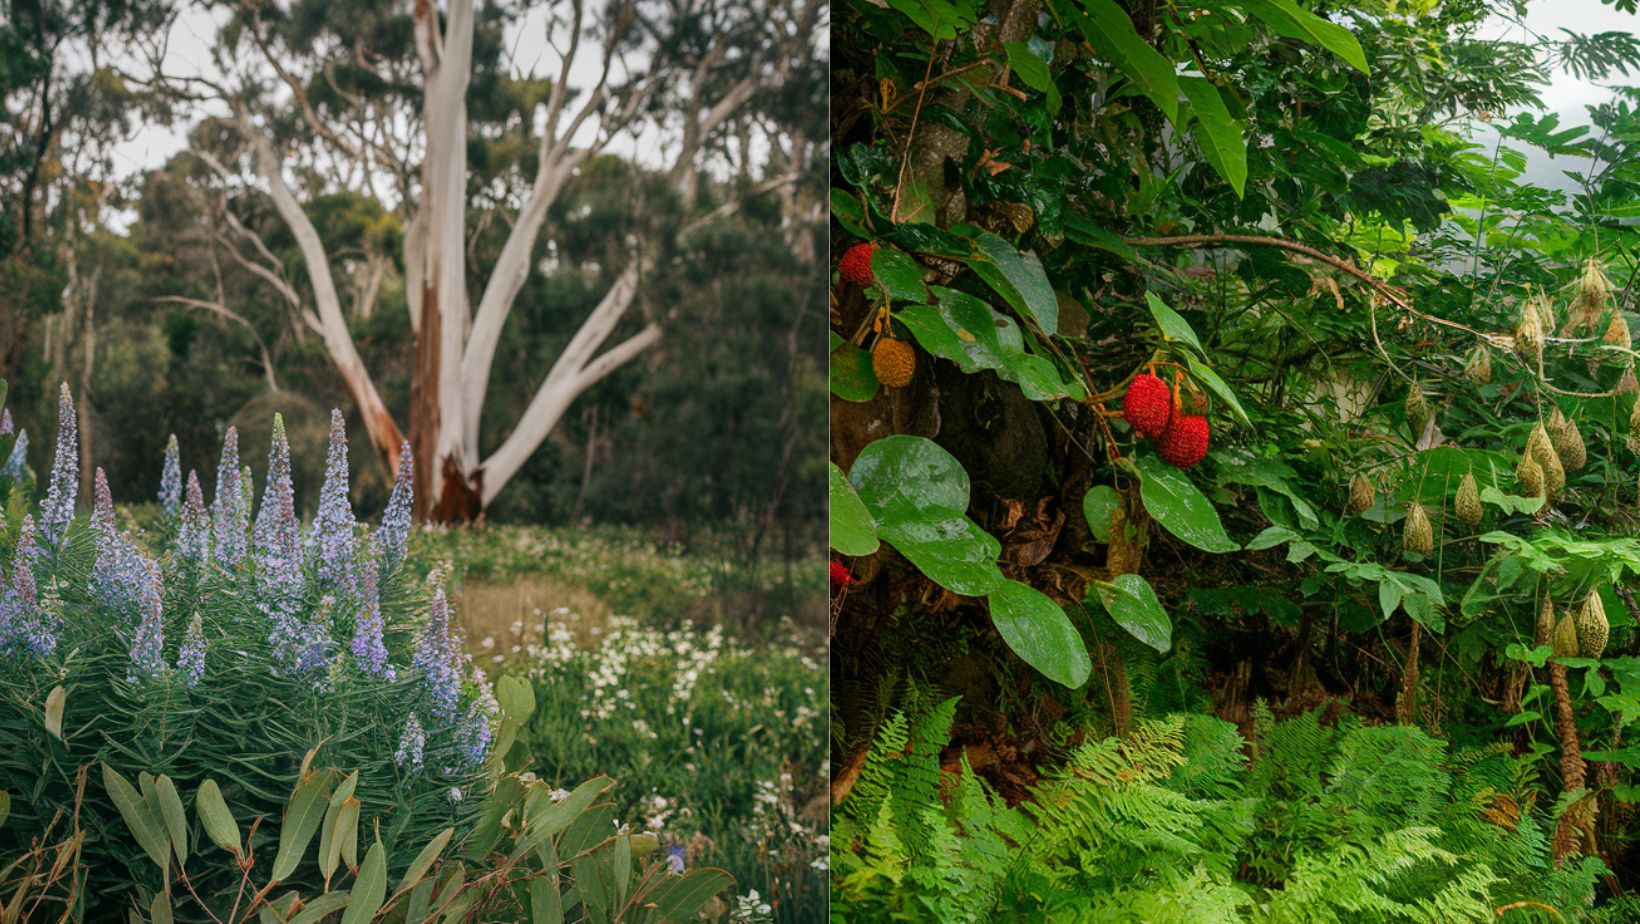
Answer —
1132 604
1098 505
853 532
848 211
899 275
918 494
1018 277
1037 630
970 333
1033 72
1174 501
851 375
1220 136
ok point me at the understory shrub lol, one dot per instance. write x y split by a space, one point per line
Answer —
1183 820
221 646
719 748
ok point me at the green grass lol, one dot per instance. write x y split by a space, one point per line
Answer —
714 729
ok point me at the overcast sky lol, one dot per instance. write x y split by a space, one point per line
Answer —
194 30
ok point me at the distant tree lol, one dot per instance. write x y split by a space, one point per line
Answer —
421 110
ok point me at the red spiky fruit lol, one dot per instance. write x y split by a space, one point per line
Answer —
1185 441
1148 405
840 576
856 264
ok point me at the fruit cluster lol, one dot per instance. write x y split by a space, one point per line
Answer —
1154 410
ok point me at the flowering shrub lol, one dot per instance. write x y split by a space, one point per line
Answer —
215 648
720 749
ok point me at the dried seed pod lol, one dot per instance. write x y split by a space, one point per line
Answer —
1542 451
1617 334
1545 622
1417 409
1565 638
1416 533
1594 292
1530 475
1628 384
1592 627
1362 493
1467 505
1529 332
1477 365
1571 449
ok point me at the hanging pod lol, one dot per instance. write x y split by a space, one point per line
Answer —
1467 505
1416 533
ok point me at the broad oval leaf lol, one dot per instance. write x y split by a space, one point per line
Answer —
1176 503
1132 603
953 552
851 375
216 818
853 531
1037 630
918 494
899 275
1019 278
1098 505
1219 135
175 818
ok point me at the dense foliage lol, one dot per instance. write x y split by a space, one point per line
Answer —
1242 372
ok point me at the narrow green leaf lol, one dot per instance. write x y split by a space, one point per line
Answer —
1026 284
1219 387
546 904
1037 630
1033 72
340 821
5 797
680 898
370 889
55 701
1287 18
215 817
424 860
1219 135
320 907
138 818
159 911
1109 30
1173 325
176 818
302 817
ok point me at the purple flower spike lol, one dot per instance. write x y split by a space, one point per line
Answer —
58 508
394 533
119 566
5 420
148 648
191 658
412 744
13 468
437 662
228 511
194 536
24 624
477 728
369 651
170 479
276 539
331 545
